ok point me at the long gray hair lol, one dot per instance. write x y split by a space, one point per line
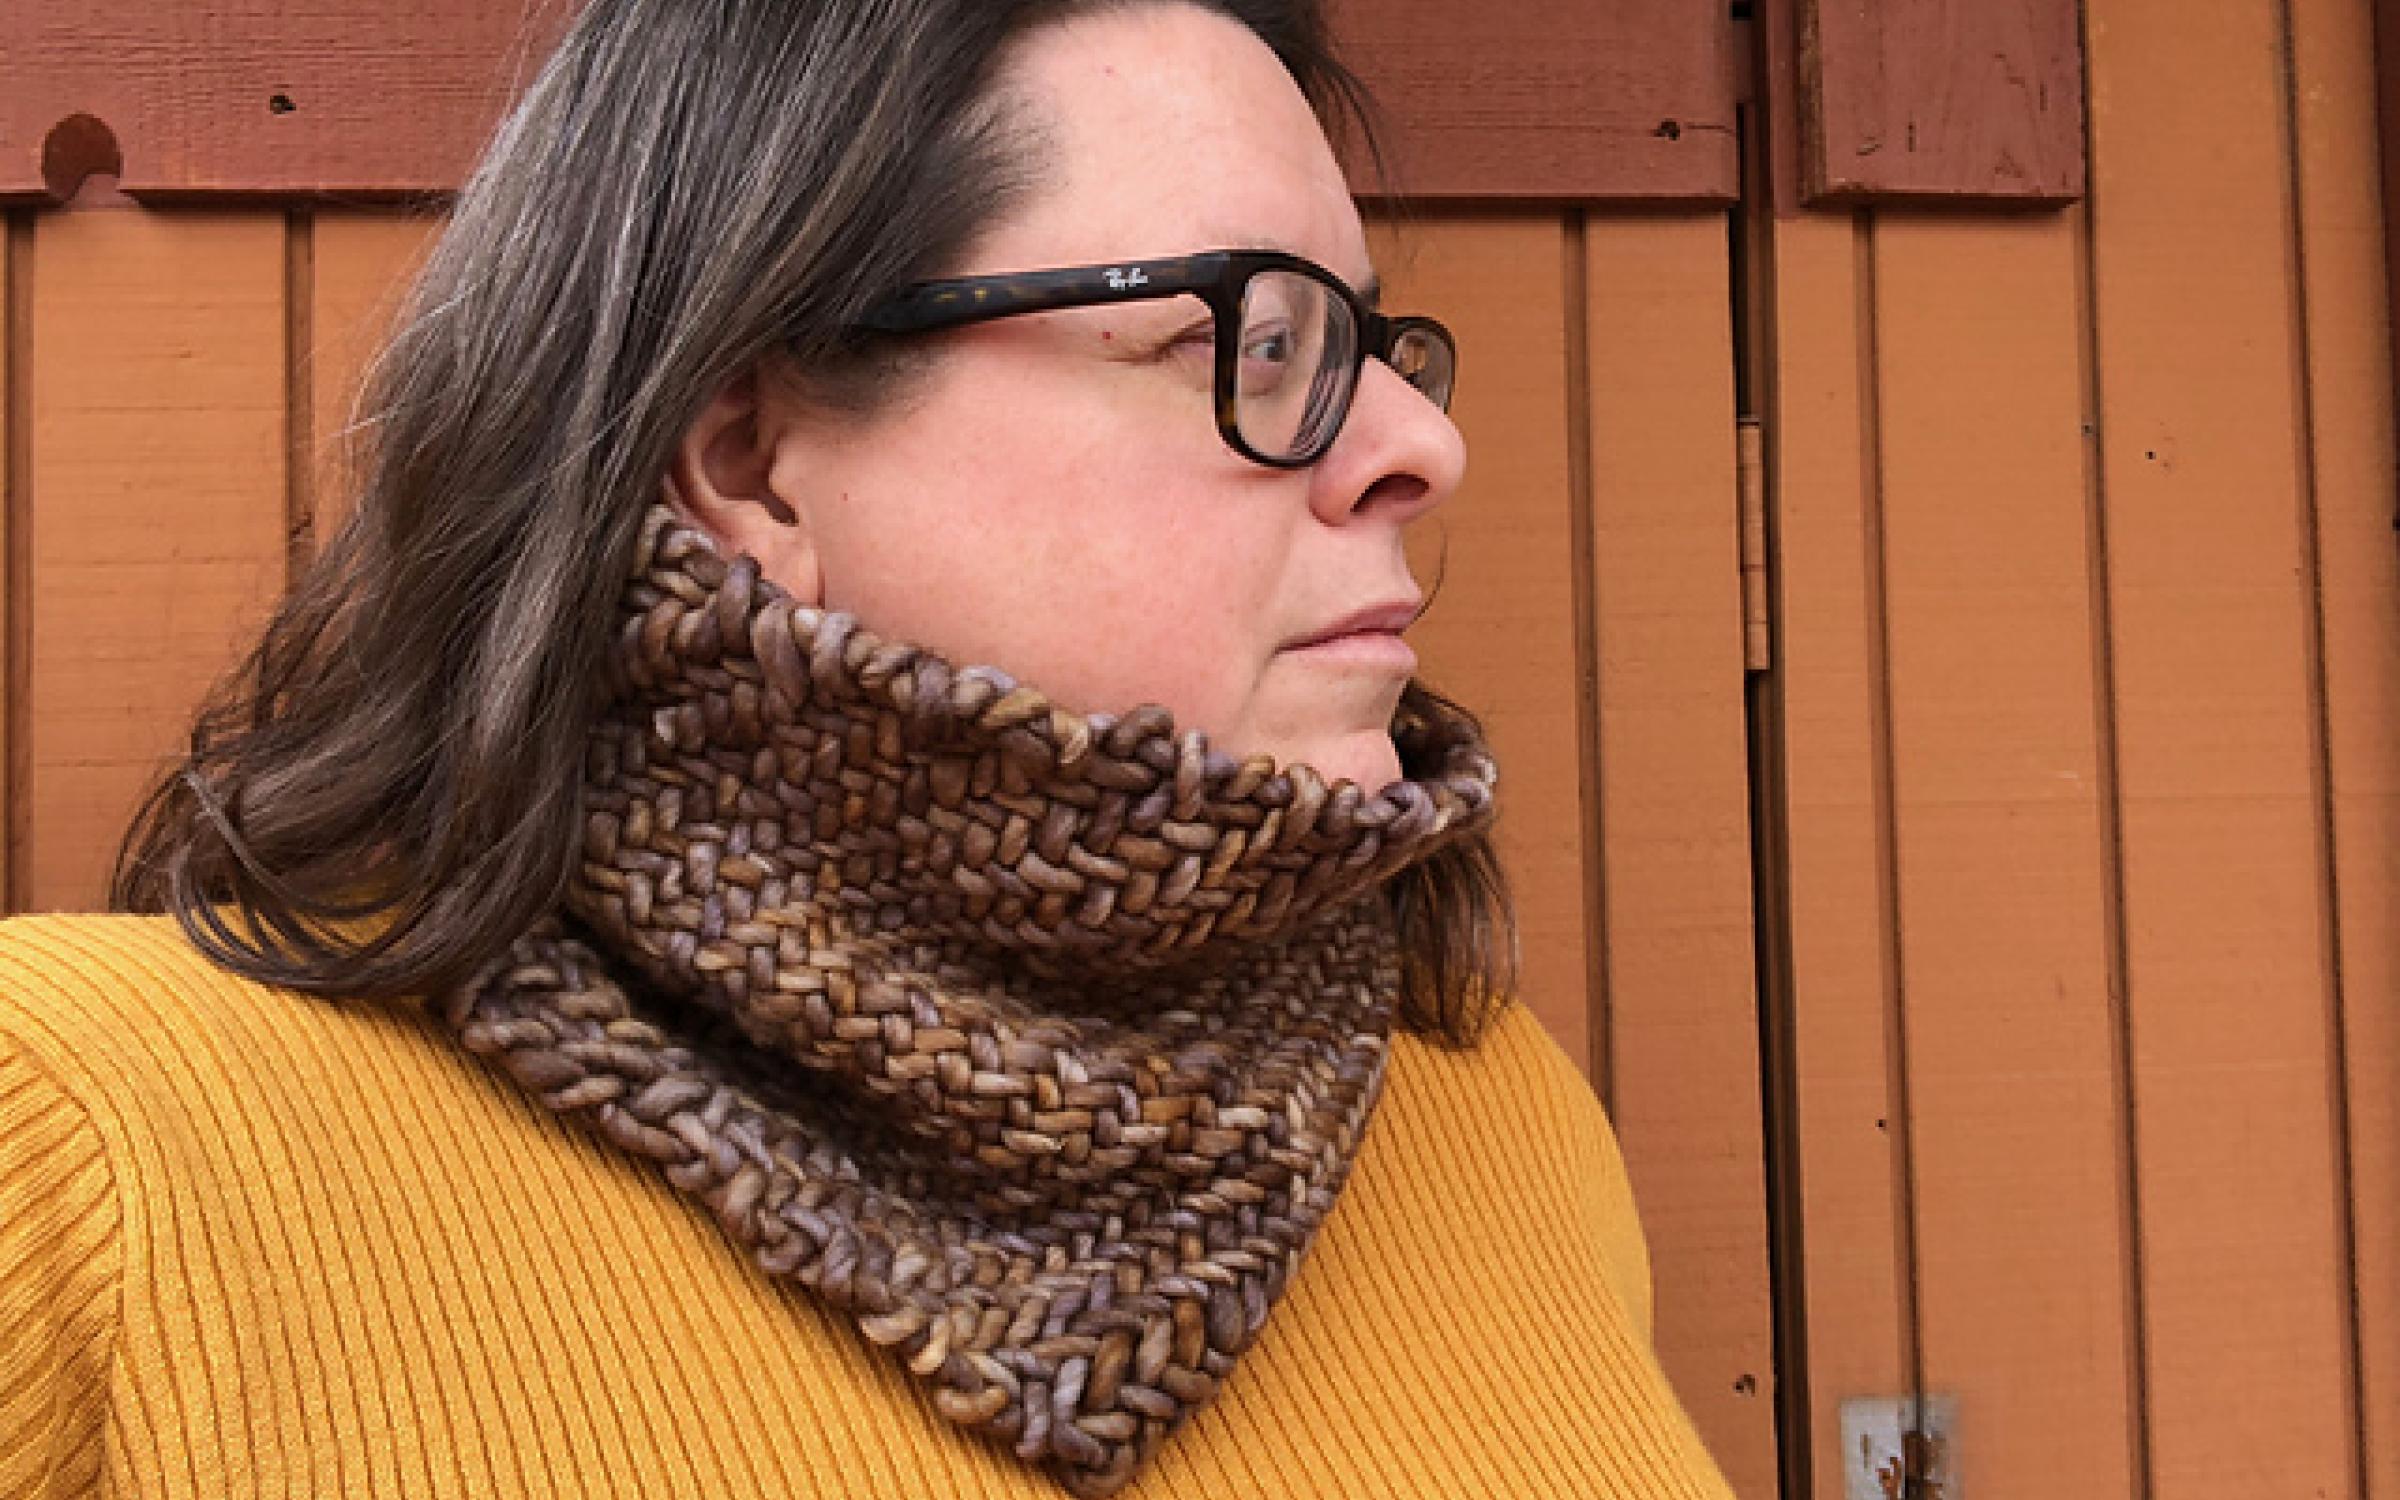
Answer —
385 791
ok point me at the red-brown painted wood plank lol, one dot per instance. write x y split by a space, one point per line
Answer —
256 98
1941 99
347 99
1535 99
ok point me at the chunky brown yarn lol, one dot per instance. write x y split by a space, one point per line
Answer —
1041 1043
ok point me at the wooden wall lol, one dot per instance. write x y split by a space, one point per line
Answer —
2086 768
2065 826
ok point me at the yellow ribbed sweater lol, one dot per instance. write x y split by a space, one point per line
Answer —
256 1244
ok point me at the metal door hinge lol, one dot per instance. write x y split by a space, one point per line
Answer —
1900 1448
1750 470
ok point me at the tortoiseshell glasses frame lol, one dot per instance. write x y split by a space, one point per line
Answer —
1252 294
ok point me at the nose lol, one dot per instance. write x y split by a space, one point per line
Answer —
1398 454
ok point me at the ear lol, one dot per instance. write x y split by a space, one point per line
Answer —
722 479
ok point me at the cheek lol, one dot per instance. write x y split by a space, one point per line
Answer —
1070 542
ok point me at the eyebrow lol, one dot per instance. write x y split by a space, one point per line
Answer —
1371 293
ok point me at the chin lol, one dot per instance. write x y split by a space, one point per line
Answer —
1367 758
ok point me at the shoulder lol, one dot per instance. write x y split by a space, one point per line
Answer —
64 974
1513 1083
127 1015
1510 1127
213 1093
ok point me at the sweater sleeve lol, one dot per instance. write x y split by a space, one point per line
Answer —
59 1253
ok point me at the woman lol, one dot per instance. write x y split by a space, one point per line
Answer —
898 923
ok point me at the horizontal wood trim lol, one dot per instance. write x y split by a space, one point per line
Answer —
260 100
1958 100
1534 99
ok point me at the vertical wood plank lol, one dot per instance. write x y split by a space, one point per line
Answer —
360 267
156 506
2225 902
15 329
2385 40
1844 1000
1682 978
2343 249
1501 636
2000 886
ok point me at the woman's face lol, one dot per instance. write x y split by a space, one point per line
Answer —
1054 498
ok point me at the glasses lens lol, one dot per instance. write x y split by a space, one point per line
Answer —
1298 355
1425 357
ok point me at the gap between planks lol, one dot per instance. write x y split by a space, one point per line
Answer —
1887 821
1574 271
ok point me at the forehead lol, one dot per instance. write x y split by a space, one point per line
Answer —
1167 128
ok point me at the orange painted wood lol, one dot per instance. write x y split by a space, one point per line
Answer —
1500 636
1941 99
14 330
2345 245
359 265
155 508
2220 792
250 98
1830 737
1511 98
2000 880
2386 41
1674 812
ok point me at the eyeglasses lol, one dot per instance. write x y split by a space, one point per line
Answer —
1291 337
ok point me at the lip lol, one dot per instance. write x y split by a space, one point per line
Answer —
1389 618
1377 650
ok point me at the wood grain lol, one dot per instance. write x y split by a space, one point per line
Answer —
246 99
16 327
1964 100
2344 245
2383 30
1681 976
155 508
262 98
2001 884
1831 735
1500 634
1532 99
2203 458
360 269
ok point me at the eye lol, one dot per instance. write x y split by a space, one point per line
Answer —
1270 351
1270 343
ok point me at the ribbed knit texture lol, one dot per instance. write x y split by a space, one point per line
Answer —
257 1244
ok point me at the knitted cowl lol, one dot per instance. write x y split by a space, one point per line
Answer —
1038 1042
